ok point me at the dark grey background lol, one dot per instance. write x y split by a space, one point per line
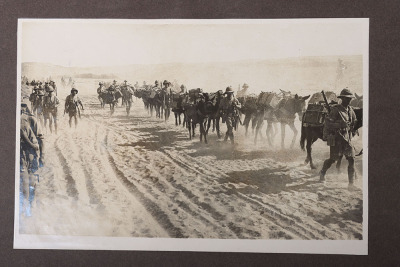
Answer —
384 159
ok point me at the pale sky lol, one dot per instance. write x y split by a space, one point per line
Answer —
84 43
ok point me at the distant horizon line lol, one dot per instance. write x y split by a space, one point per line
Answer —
167 63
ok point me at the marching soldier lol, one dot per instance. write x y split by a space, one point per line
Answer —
38 108
31 157
112 89
72 103
183 88
229 109
339 125
51 103
156 85
166 100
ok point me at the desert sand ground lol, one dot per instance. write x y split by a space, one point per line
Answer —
139 176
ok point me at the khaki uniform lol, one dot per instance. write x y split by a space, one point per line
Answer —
339 125
228 109
71 105
50 106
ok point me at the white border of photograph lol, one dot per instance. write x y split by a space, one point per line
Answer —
358 247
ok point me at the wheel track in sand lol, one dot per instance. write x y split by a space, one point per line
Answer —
144 158
287 221
71 184
206 207
150 205
192 202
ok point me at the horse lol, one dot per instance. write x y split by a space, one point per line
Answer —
286 112
312 134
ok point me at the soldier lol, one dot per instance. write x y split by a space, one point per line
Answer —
112 90
166 98
244 90
51 103
156 85
33 96
38 108
183 88
339 125
229 108
72 103
31 157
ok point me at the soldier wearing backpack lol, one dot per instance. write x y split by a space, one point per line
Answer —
72 103
339 125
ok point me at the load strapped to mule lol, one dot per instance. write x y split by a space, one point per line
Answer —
176 101
250 102
267 100
315 115
194 94
317 109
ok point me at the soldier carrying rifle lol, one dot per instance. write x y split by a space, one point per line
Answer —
230 114
340 129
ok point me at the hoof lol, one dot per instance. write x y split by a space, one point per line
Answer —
313 167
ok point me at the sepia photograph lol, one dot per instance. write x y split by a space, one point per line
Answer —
192 135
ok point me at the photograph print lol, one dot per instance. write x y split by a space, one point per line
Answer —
192 135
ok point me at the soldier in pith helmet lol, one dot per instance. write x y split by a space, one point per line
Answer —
72 105
229 110
340 127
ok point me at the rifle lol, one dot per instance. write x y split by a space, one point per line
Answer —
326 102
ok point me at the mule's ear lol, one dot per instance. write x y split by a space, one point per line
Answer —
357 96
296 96
306 97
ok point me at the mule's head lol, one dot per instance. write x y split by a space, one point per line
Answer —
300 105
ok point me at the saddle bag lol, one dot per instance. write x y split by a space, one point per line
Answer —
266 99
315 115
250 103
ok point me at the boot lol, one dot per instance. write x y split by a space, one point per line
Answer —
232 138
226 137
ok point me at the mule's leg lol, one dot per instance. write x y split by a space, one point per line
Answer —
176 119
275 128
246 123
259 123
339 163
202 129
310 142
309 149
268 132
217 127
295 132
254 123
189 128
193 127
283 125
